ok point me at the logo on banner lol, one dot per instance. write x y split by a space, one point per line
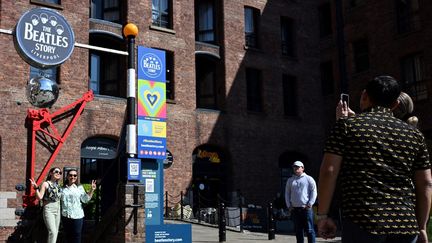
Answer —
151 99
44 38
151 65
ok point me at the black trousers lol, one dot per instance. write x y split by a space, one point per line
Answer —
72 229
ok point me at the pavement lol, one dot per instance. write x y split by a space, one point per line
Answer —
202 233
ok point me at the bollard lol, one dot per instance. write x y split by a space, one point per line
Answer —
199 207
271 223
181 205
166 204
241 216
222 223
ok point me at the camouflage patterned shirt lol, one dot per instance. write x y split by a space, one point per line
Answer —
380 155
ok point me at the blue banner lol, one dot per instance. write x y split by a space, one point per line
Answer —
152 178
181 233
151 104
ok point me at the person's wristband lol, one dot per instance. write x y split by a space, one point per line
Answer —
36 187
321 216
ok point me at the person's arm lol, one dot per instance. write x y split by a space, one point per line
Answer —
329 172
86 196
92 189
312 192
288 194
423 187
39 190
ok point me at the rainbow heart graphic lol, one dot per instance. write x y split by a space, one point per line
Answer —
151 99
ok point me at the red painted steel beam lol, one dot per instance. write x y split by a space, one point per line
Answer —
41 120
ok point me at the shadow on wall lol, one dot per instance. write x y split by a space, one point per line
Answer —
267 102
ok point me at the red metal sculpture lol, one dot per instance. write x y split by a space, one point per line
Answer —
41 121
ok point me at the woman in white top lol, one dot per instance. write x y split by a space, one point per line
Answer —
73 195
50 192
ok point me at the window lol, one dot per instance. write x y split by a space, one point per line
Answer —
206 21
289 87
408 18
161 13
253 86
325 20
327 78
287 36
251 26
169 58
361 55
206 75
106 69
50 73
414 76
108 10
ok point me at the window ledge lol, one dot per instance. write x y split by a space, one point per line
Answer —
170 31
46 4
207 110
169 101
107 97
249 48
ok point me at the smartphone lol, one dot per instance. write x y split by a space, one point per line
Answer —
345 98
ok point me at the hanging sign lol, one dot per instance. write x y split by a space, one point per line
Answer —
151 142
44 38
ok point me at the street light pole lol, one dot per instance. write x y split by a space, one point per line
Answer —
130 31
341 47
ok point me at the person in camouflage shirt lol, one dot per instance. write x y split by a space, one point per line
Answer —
384 170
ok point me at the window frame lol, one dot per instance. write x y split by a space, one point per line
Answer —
409 20
213 29
252 37
168 13
48 4
104 10
289 91
361 55
325 19
327 77
287 26
416 86
170 75
254 95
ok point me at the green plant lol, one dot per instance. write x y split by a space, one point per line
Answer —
90 207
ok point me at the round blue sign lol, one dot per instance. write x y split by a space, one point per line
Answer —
44 38
151 65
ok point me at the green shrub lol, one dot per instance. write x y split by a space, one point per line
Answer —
90 207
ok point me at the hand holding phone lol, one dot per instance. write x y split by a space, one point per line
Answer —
345 98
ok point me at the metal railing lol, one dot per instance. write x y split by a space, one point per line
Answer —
204 211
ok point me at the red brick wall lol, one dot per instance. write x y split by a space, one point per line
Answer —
253 142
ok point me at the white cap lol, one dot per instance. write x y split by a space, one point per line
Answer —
298 163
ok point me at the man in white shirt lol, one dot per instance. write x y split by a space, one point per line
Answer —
300 195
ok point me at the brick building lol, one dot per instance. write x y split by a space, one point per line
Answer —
379 37
243 87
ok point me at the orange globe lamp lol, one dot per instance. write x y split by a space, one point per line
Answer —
130 30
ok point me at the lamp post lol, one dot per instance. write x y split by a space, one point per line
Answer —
130 31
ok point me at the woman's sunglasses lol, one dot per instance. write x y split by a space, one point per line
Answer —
57 172
72 175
